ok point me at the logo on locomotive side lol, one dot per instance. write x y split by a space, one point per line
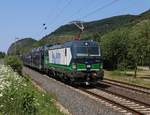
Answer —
56 57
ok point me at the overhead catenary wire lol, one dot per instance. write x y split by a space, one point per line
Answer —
98 9
57 6
79 10
45 25
60 12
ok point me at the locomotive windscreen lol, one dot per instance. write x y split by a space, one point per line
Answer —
87 51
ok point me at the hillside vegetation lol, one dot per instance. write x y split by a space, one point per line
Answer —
125 40
125 48
93 29
21 46
18 96
2 55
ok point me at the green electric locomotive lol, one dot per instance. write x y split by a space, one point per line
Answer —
77 61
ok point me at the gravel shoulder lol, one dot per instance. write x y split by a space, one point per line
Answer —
77 102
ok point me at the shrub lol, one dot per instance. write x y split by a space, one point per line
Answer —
2 55
19 97
14 62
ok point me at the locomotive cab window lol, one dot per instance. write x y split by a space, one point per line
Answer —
93 51
87 51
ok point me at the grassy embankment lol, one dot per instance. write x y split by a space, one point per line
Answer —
142 79
18 96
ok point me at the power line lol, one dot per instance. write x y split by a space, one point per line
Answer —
46 25
61 12
80 9
101 8
43 26
96 10
77 11
57 3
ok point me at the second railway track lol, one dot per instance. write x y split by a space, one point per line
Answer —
118 102
121 103
132 87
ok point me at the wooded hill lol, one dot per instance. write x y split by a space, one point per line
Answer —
125 40
100 27
21 46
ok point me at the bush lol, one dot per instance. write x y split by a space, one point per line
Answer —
2 55
19 97
14 62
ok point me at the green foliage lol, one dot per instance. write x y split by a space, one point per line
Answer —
19 97
14 62
14 89
93 30
101 26
28 103
124 39
2 55
24 99
114 47
126 48
139 45
21 46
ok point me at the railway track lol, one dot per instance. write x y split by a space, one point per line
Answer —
120 103
132 87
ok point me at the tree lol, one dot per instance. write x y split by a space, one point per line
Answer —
114 48
14 62
2 55
139 45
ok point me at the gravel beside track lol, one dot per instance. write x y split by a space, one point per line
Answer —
76 101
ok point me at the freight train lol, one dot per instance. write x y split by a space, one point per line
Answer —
76 61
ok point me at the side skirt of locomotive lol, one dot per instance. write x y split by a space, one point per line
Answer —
66 74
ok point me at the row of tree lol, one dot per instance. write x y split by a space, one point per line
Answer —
127 47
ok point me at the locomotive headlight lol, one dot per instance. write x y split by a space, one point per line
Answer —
101 66
88 66
74 66
86 43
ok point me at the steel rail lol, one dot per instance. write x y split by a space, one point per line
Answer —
135 112
128 86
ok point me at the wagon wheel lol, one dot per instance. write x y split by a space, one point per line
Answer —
51 73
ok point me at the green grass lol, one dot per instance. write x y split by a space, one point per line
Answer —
18 96
127 77
45 104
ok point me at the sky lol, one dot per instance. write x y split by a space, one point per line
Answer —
25 18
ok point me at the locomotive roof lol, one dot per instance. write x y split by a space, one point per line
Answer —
75 43
80 42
